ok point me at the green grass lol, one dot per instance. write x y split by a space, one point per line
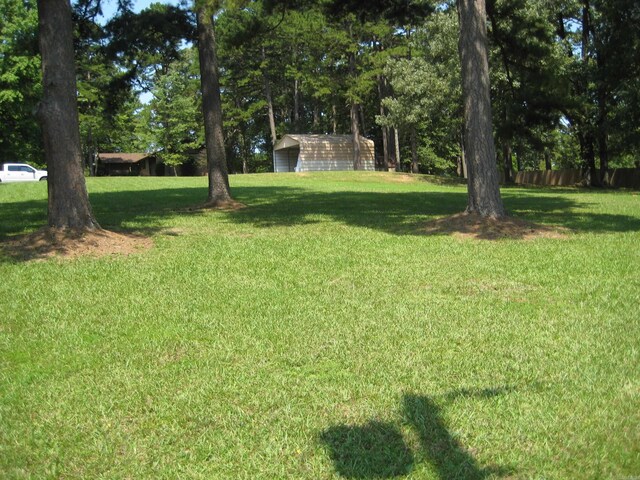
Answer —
314 334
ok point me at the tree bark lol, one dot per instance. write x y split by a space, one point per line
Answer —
483 186
355 130
219 191
68 202
296 106
316 118
269 98
508 162
385 129
334 118
396 141
588 155
547 159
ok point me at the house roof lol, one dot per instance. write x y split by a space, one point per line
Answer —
123 157
295 139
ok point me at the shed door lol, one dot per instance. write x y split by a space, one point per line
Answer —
292 158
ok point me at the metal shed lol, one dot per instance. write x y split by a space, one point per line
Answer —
309 153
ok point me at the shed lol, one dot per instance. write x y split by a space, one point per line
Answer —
309 153
127 164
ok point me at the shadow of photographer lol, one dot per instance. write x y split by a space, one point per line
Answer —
378 449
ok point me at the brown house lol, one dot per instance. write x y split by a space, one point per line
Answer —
133 164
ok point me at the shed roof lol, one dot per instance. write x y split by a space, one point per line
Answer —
123 157
295 139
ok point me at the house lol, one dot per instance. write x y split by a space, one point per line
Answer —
308 153
143 164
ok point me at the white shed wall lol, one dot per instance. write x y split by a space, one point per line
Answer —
321 153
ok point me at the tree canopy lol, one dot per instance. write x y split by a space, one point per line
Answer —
564 80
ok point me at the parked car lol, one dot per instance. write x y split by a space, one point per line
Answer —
21 172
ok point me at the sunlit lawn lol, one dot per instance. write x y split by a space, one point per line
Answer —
317 334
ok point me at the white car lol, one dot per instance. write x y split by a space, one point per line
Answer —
21 172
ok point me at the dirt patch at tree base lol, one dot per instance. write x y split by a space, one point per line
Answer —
469 225
68 243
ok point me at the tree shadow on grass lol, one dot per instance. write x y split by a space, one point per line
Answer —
405 213
378 450
399 213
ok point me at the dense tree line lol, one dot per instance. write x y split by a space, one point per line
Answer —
564 79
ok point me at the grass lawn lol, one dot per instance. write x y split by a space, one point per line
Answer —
317 334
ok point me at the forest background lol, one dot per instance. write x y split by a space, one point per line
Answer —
565 82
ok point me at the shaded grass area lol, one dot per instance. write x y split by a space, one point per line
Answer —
397 207
314 334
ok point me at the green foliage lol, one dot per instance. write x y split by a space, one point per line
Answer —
174 115
427 94
20 83
561 89
144 44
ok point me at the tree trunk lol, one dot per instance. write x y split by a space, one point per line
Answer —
68 205
334 118
363 125
603 153
547 160
396 141
385 130
385 147
316 118
508 162
219 191
296 106
355 130
269 98
414 150
483 185
602 123
588 154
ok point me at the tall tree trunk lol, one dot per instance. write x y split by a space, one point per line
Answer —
396 141
355 112
547 159
602 123
414 150
219 191
269 98
355 130
362 122
483 185
334 118
68 205
588 154
385 129
508 161
91 153
603 154
591 177
385 147
316 118
296 106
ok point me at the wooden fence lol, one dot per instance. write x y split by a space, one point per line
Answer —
617 177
